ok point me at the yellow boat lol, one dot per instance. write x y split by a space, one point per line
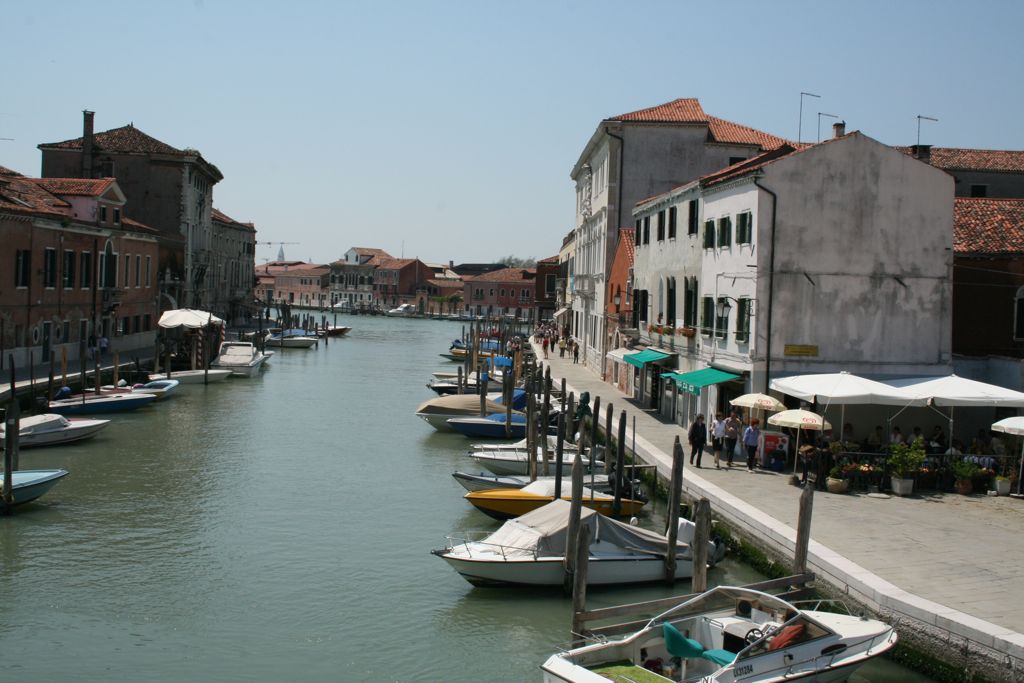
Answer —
507 503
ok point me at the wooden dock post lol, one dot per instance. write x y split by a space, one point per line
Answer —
63 365
609 415
579 582
481 392
699 547
531 436
98 377
594 424
575 511
620 460
559 454
11 444
49 381
803 530
674 497
545 420
117 368
31 376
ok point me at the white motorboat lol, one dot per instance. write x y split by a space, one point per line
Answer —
403 310
51 429
730 634
91 404
159 388
517 462
530 550
437 411
27 485
520 445
193 376
240 357
295 338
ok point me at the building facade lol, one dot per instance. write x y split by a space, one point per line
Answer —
352 280
167 188
233 253
506 292
77 269
628 158
399 281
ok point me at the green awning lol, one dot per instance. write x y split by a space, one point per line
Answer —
694 381
644 357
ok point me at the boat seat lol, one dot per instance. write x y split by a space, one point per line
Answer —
679 645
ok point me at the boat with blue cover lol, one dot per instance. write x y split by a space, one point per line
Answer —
490 426
92 404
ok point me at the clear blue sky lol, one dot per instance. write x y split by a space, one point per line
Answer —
452 126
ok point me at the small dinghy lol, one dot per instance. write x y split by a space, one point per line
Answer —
92 404
193 376
518 462
51 429
505 503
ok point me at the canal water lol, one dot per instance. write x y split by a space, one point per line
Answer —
276 528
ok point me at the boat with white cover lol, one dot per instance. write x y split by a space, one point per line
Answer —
437 411
403 310
193 376
51 429
159 388
240 357
530 550
295 338
27 485
730 634
517 462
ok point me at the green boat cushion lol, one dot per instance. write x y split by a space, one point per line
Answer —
720 657
679 645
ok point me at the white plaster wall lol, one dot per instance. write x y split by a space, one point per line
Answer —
862 269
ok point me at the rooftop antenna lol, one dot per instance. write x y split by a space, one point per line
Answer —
403 249
919 118
820 114
800 126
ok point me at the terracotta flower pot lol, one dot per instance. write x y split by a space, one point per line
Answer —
964 486
837 485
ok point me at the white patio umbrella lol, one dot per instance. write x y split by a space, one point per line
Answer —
758 401
1015 426
800 419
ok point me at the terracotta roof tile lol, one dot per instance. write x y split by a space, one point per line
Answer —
22 195
369 251
124 139
746 166
75 187
505 275
959 159
394 263
626 242
682 110
219 215
735 133
988 226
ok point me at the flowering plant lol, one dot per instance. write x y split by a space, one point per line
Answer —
687 331
660 329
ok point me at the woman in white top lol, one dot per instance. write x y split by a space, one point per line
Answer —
896 436
718 437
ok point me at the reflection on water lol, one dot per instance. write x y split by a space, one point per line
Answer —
275 527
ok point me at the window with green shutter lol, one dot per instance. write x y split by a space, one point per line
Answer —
722 321
709 234
743 320
672 223
707 315
661 226
724 231
692 222
744 228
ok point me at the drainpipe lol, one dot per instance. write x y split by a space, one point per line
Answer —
771 288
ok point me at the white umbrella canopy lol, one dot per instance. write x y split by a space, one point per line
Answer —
834 388
800 419
759 402
188 317
1010 425
953 391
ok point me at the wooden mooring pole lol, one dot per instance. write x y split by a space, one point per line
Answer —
699 545
579 582
559 454
620 459
594 424
575 511
674 496
803 530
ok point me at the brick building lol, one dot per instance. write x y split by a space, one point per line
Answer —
233 250
508 291
397 281
75 266
166 188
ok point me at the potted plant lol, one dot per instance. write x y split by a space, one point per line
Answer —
838 480
963 473
904 461
1002 485
688 331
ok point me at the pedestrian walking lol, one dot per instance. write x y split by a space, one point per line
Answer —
751 438
544 345
92 346
104 343
717 438
561 347
575 352
733 425
698 438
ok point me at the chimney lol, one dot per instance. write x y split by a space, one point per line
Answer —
451 265
922 152
87 143
839 129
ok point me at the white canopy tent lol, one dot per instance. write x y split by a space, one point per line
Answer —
953 391
840 388
188 317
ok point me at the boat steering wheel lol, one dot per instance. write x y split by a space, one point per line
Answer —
754 635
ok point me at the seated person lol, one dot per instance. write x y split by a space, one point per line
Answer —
980 444
896 436
956 449
877 439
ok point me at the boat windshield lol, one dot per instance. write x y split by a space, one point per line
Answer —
796 630
728 599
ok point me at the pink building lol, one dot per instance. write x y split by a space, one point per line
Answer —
508 291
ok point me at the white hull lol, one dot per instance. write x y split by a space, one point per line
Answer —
550 571
292 342
78 430
193 376
438 421
505 463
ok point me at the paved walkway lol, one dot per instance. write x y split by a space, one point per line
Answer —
940 555
126 359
